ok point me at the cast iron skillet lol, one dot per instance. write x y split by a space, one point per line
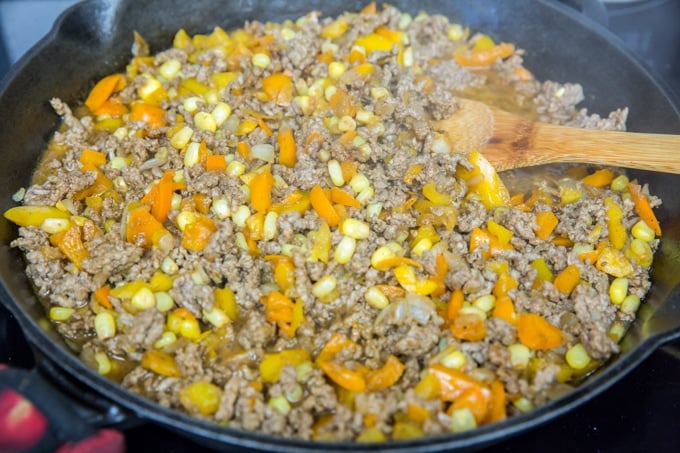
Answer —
93 39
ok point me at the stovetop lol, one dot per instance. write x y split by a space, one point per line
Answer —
638 413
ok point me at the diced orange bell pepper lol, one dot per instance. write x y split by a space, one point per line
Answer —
384 376
159 198
484 57
535 332
344 198
546 222
261 191
150 114
287 148
348 379
468 327
143 229
566 281
476 399
600 178
455 304
505 309
92 157
70 243
197 234
323 206
278 87
644 208
452 383
103 90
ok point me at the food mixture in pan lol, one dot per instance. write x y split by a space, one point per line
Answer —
260 227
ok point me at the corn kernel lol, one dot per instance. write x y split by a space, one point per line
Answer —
630 304
167 339
235 169
336 69
280 404
359 182
373 210
240 241
205 121
462 420
221 112
103 363
381 254
169 266
407 57
148 88
185 218
345 250
216 317
61 313
143 299
642 252
170 69
523 404
261 60
485 303
240 216
376 298
577 357
52 225
472 310
191 103
104 325
404 21
220 207
455 359
355 229
118 163
365 116
455 32
379 92
201 396
519 355
335 172
182 137
365 195
164 301
616 331
618 290
270 228
620 183
347 123
422 246
324 287
329 92
643 232
287 33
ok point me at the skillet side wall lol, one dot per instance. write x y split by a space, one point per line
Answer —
94 38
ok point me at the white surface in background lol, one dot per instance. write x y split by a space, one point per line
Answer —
30 21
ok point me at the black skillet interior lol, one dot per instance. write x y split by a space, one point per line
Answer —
93 39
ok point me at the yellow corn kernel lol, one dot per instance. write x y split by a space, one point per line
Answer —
104 325
455 32
182 137
454 359
519 355
61 313
641 252
355 229
143 299
630 304
616 331
164 301
324 287
181 321
577 357
472 310
221 112
216 317
336 69
345 250
346 123
245 127
618 290
643 232
202 397
523 404
52 225
359 182
150 89
191 103
103 363
365 195
569 193
280 404
240 216
462 420
365 116
407 58
379 92
381 254
170 69
486 303
185 218
620 183
376 298
235 169
335 172
422 246
205 121
167 339
169 266
261 60
270 228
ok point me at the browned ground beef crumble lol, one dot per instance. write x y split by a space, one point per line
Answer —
304 401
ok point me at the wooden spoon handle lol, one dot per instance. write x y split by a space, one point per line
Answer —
517 143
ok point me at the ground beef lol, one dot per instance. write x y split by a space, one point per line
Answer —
255 308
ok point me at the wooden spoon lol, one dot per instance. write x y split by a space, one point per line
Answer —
509 141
